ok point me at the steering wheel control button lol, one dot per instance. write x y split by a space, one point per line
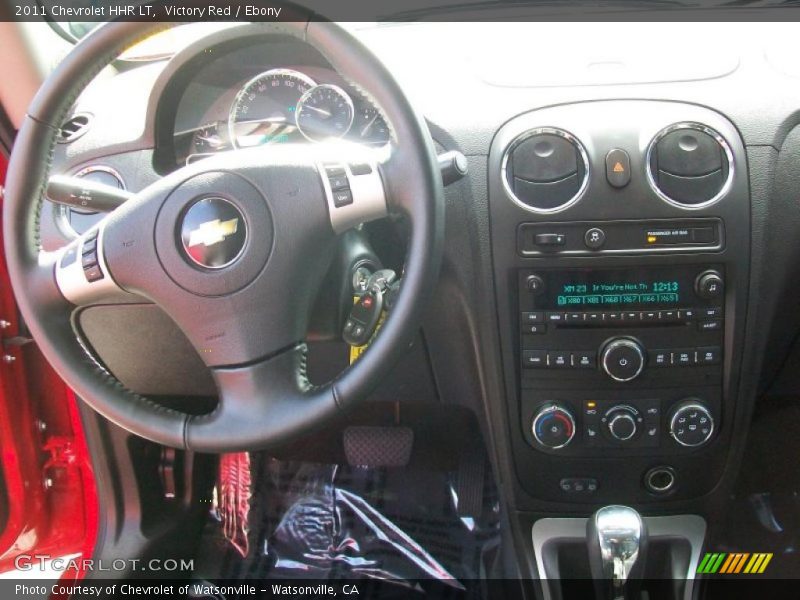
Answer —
553 427
213 233
622 359
691 423
339 182
89 260
342 198
360 168
595 238
618 168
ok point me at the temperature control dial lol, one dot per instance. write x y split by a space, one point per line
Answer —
691 423
553 426
622 359
622 422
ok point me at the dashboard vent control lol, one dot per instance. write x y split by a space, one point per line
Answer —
689 165
545 170
73 128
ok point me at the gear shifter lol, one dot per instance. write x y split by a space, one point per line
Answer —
617 541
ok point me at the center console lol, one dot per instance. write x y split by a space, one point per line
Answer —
620 240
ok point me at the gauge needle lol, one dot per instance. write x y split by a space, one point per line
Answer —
275 119
325 113
368 126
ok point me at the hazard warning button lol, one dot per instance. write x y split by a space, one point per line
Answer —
618 168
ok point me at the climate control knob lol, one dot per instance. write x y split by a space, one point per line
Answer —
622 359
553 426
691 423
622 422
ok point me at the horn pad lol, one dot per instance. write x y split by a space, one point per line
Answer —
214 234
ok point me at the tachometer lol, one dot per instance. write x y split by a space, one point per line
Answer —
264 109
324 112
369 126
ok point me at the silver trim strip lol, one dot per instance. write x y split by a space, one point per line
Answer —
369 198
697 127
71 280
538 131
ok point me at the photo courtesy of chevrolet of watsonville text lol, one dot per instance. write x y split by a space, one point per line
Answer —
399 299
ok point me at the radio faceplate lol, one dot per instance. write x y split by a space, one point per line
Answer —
587 335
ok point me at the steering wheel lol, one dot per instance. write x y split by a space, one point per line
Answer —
232 248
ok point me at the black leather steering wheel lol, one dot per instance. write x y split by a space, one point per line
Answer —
244 299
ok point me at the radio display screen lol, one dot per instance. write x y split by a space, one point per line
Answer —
620 288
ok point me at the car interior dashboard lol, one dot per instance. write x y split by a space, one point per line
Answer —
621 261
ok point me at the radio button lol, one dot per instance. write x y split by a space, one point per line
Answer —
612 317
594 317
711 313
649 316
714 325
669 316
533 317
683 357
534 359
631 316
622 359
584 360
574 317
660 358
558 359
709 285
534 328
710 355
555 317
687 314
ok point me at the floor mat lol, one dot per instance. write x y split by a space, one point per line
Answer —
400 527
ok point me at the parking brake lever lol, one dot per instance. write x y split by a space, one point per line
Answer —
85 194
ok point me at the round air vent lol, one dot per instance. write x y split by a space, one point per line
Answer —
545 170
689 165
73 128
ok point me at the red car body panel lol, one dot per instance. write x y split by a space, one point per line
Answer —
50 496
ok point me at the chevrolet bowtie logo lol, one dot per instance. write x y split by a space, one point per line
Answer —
212 232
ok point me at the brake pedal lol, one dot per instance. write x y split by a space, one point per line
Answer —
378 446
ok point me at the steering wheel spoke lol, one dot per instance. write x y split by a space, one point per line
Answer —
270 399
82 273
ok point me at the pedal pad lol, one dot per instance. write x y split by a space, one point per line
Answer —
470 482
378 446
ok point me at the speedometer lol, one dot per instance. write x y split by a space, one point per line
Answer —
263 111
324 112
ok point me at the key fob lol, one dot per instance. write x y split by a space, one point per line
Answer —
364 317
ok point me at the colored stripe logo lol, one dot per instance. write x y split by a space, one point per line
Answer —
734 563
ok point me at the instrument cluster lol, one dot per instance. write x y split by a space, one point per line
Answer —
282 105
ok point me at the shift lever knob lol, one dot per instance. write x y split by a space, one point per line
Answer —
617 541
